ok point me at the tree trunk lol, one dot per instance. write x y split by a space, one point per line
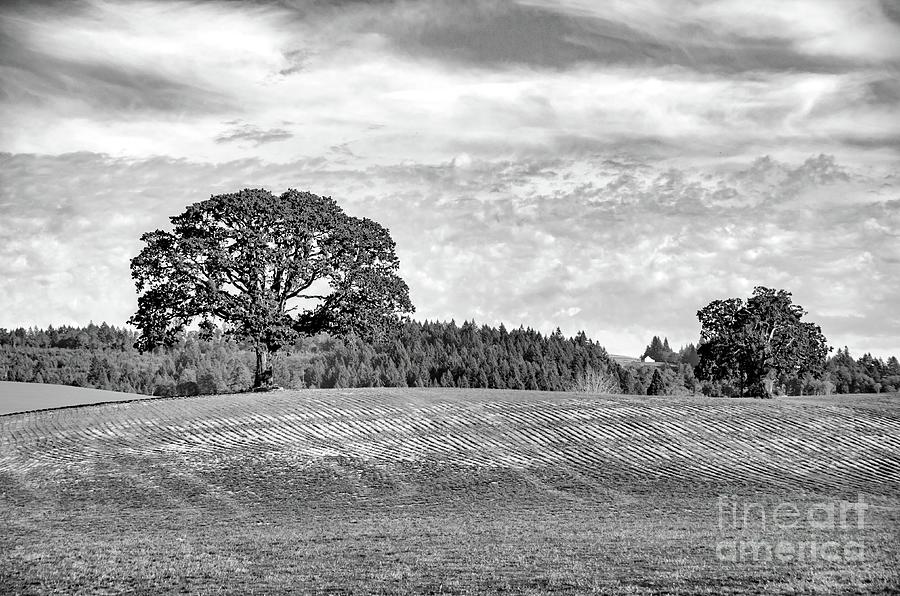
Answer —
263 377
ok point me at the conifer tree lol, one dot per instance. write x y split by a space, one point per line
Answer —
657 384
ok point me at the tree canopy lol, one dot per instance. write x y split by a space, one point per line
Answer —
760 343
268 269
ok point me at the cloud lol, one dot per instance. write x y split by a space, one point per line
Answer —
620 248
829 34
627 159
127 58
720 37
429 80
248 132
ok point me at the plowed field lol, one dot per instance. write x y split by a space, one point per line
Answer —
449 491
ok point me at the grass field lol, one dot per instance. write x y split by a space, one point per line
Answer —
21 397
431 491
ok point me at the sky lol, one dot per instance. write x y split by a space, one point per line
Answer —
608 166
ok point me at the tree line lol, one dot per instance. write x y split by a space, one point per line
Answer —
417 354
429 354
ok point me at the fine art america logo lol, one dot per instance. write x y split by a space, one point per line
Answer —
838 521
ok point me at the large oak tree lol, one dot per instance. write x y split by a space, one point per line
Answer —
267 269
756 344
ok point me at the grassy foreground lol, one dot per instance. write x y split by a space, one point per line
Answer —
452 491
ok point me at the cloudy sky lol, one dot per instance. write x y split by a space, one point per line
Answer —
607 166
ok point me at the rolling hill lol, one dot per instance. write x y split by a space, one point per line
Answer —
431 490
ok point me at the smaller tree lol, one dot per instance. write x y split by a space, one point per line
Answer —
657 384
760 343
